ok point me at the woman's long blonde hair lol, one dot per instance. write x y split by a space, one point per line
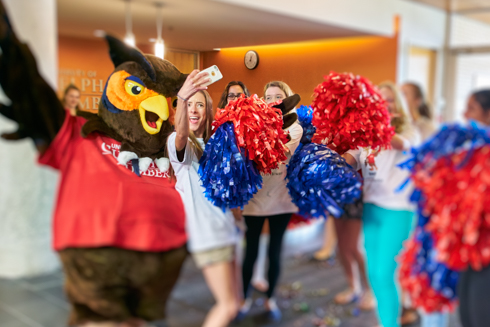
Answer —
207 130
401 122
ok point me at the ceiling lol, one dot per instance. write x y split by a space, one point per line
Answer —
191 24
475 9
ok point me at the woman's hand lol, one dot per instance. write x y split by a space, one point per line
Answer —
193 84
350 159
237 213
398 142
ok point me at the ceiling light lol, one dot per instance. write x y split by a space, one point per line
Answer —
129 38
160 49
99 33
159 44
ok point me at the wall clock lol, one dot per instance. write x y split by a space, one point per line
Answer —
251 59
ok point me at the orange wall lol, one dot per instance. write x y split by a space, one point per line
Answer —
303 65
86 63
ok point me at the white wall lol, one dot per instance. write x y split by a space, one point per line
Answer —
421 26
27 190
369 16
472 72
469 33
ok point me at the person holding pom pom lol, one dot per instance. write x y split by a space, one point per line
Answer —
271 203
211 231
474 285
387 214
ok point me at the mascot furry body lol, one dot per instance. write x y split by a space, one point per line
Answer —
119 222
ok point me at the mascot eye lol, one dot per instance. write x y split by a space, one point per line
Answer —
133 88
174 102
136 90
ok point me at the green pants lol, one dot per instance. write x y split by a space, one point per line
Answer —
384 232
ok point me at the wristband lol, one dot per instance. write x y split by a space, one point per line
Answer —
181 98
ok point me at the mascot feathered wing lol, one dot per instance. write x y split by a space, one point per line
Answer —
27 90
118 218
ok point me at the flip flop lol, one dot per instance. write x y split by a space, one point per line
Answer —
346 297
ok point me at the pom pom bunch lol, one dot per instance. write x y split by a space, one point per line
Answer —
229 177
321 182
350 113
258 130
451 174
248 140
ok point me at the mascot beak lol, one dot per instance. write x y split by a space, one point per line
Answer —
153 111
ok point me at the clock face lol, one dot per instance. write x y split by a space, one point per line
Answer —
251 59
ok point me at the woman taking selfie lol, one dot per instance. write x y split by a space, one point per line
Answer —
211 232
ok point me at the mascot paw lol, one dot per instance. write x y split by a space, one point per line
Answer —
126 156
144 164
163 164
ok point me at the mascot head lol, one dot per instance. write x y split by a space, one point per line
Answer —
138 102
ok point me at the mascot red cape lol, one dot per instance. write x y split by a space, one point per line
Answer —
119 223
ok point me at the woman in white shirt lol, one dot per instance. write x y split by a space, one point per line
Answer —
419 110
271 203
387 215
211 232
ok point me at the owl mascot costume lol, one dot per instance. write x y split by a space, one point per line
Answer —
119 222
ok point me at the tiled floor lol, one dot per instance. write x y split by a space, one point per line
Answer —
305 293
40 302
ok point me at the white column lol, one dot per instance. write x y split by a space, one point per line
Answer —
26 189
448 73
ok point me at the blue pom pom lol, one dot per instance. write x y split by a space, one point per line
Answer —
305 116
451 139
320 181
229 177
442 279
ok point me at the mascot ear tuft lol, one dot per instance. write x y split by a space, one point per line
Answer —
120 53
288 103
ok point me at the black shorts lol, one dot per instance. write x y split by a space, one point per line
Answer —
113 284
353 210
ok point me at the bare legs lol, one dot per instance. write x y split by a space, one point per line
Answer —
220 278
329 241
348 232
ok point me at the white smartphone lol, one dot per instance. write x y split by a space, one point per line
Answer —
214 74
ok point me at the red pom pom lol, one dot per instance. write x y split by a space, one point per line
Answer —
458 201
418 286
298 221
349 112
258 129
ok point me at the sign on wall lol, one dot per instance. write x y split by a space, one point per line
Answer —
89 82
